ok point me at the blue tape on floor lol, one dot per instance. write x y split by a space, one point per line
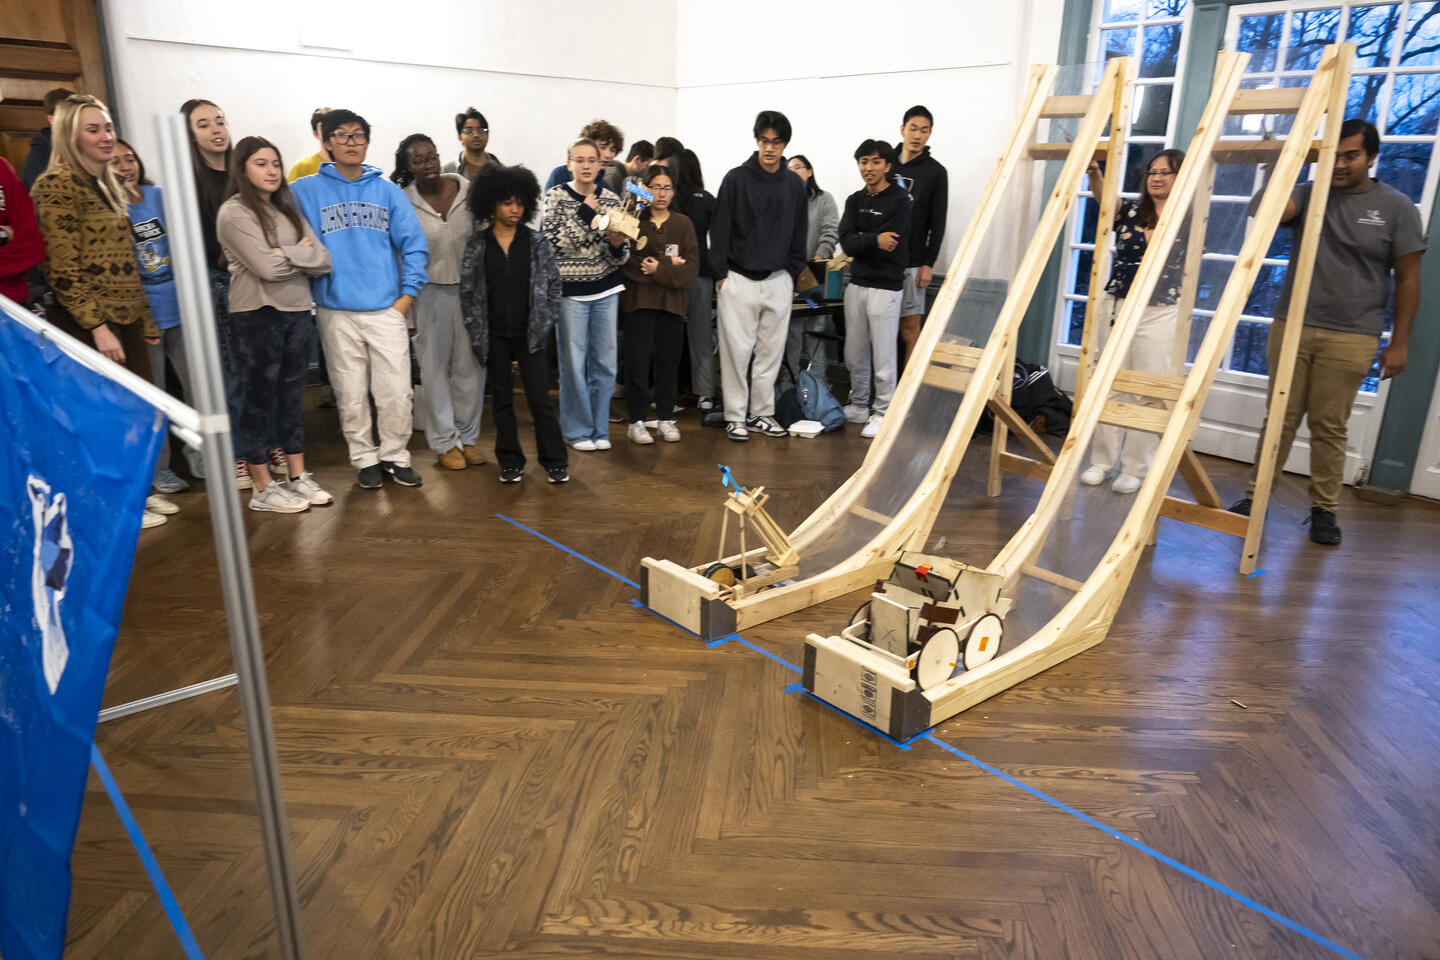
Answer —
902 744
635 602
1143 848
1251 576
157 878
723 640
766 653
561 546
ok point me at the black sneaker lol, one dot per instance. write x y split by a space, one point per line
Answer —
370 478
1323 528
558 475
767 426
511 474
1241 506
405 476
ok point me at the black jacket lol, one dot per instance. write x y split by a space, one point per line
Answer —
867 216
929 186
37 159
700 208
759 223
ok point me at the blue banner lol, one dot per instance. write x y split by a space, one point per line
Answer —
77 453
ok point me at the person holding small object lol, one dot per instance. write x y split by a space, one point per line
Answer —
272 253
1128 452
510 296
658 277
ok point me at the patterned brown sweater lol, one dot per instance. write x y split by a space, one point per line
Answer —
89 261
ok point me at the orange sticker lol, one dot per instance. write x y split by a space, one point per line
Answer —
983 642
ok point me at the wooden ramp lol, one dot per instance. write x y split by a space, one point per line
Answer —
837 669
889 504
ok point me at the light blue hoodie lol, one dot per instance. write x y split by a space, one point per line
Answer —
377 248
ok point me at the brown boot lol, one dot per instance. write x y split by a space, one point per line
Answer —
452 459
473 454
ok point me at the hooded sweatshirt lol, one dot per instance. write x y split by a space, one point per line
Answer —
867 216
760 222
377 249
929 186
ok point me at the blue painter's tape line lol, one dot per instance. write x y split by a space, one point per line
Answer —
763 652
723 640
561 546
1145 849
902 744
137 839
1251 576
635 602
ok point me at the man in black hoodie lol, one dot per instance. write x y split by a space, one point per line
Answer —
929 187
757 249
39 156
873 230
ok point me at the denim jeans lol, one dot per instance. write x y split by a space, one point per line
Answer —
585 341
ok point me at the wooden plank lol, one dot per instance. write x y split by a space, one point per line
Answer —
1135 417
1109 201
998 428
1050 576
1268 100
1194 257
1030 438
957 355
875 516
948 378
1158 386
1198 480
48 62
1258 151
1060 151
1200 515
1025 467
1056 108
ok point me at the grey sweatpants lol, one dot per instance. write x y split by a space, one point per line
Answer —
454 393
753 318
872 325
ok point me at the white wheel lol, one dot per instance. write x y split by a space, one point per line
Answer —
938 658
984 641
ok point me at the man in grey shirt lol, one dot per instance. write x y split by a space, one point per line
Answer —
1370 229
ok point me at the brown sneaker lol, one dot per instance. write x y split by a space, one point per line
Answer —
452 459
473 455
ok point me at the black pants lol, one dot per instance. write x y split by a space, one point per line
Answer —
272 353
535 376
652 335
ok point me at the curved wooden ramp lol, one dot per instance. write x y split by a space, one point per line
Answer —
891 501
869 684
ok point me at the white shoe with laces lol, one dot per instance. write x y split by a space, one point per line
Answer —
150 519
1093 476
638 433
601 444
305 487
277 499
163 505
872 426
856 413
1125 484
668 431
583 446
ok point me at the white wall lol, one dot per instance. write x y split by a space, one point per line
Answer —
842 78
536 72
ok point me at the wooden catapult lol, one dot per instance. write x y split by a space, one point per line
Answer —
748 507
859 675
634 198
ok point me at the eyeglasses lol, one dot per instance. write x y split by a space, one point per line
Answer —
1159 173
359 139
475 131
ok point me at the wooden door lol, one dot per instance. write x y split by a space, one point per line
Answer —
46 44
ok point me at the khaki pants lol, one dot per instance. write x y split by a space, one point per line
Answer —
368 353
1329 369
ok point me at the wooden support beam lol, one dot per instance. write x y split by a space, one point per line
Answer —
1198 480
956 355
1258 151
1025 467
1059 151
1135 417
1157 386
1003 411
1200 515
1050 576
1109 201
1268 100
948 378
1056 108
874 516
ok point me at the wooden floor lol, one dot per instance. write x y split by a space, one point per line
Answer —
489 751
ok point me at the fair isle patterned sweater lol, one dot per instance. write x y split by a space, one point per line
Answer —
588 264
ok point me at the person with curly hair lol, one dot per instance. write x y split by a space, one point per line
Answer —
609 140
510 295
454 384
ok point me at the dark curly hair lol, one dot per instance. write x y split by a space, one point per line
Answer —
401 174
493 185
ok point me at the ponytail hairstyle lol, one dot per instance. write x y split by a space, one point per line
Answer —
402 174
253 197
65 150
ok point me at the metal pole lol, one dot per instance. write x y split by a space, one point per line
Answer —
202 350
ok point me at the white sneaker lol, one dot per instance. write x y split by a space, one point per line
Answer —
277 499
584 446
736 430
1125 483
767 426
1093 475
705 404
150 519
638 433
242 476
305 487
195 460
668 431
602 444
856 413
158 504
872 426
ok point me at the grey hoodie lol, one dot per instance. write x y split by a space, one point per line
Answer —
824 227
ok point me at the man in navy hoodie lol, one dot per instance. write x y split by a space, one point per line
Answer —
929 187
379 255
757 249
873 230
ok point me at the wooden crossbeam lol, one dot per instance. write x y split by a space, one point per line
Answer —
1015 422
1198 480
948 378
1200 515
1135 416
1060 151
1025 467
1270 100
1156 385
1050 576
957 355
1056 108
874 516
1257 151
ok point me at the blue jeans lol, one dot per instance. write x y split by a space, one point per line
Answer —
585 342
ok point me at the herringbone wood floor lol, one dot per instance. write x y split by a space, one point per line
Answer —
489 751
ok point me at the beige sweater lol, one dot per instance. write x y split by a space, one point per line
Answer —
260 277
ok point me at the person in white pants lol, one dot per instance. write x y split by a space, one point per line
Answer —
756 257
1129 452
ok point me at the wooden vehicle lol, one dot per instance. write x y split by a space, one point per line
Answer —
633 201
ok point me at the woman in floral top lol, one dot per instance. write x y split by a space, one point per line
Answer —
1128 453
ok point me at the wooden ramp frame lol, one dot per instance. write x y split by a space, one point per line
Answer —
854 679
679 592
